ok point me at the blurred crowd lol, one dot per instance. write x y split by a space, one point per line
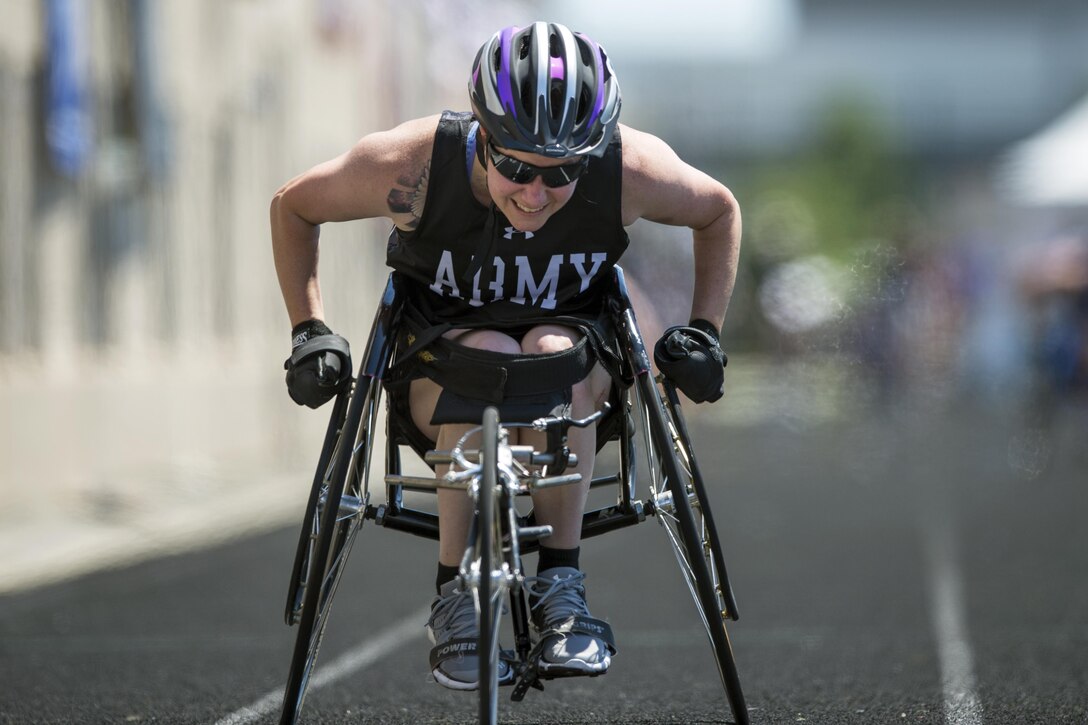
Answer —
951 321
990 331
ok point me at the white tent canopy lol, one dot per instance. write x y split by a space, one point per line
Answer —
1050 168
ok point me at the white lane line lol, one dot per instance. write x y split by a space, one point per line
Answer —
961 702
359 657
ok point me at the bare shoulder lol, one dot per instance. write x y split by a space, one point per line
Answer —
660 186
403 145
650 169
384 174
404 168
397 168
642 152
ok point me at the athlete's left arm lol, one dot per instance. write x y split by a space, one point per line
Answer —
660 187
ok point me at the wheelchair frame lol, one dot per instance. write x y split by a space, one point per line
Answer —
339 504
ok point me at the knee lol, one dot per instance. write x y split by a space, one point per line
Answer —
546 339
490 340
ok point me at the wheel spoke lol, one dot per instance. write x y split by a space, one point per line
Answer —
331 537
685 518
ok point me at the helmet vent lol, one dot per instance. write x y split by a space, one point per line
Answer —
523 47
526 97
557 98
586 53
584 104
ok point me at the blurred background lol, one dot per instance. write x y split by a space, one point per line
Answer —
913 178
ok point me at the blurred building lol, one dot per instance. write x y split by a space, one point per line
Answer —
143 141
141 325
952 78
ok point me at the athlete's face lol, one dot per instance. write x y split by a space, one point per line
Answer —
529 205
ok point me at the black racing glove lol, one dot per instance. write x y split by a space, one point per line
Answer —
692 358
319 366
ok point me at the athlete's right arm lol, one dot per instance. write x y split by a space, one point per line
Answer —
383 175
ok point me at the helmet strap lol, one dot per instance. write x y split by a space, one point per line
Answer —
481 146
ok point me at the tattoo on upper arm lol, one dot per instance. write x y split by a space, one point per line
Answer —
408 195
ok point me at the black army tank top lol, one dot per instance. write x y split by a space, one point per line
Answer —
467 264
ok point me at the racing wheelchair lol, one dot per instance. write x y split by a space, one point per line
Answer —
646 422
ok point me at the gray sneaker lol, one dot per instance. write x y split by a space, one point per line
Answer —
570 641
452 628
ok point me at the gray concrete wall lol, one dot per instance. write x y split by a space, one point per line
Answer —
141 329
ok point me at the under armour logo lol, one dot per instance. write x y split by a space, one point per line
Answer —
510 232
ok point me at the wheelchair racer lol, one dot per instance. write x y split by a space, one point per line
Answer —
507 222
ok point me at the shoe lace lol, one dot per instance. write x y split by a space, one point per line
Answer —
454 616
557 599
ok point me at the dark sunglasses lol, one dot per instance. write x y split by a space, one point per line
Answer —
522 173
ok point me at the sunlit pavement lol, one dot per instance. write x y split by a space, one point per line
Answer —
135 524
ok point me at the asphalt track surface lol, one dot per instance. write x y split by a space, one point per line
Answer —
892 570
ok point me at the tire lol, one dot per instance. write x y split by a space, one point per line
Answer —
296 590
490 558
334 515
682 509
701 503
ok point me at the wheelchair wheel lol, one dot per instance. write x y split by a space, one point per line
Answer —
700 501
489 556
682 509
334 515
296 590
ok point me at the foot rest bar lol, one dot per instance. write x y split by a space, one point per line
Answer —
522 454
425 524
422 483
553 481
532 533
595 523
419 523
418 484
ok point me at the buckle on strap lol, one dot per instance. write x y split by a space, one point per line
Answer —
579 624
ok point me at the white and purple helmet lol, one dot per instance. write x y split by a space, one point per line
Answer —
545 90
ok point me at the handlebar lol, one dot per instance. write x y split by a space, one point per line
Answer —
564 423
556 427
556 456
521 454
